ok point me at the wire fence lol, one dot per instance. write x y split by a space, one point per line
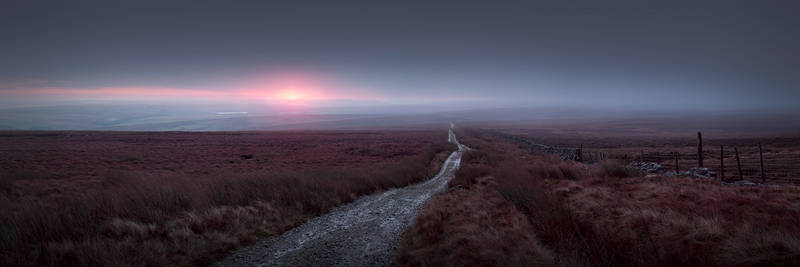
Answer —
779 164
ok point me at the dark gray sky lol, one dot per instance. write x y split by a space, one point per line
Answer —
665 54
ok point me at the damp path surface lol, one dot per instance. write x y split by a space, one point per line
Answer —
365 232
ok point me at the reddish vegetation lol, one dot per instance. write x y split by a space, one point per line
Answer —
88 154
676 221
603 215
472 227
781 151
99 198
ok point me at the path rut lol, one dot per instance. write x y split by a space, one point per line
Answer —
366 232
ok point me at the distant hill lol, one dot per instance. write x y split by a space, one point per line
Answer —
144 117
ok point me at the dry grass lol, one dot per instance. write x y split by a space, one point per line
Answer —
472 227
135 218
606 215
781 151
672 221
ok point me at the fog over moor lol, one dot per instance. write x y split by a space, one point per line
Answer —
214 65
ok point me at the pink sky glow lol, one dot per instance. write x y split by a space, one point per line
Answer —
270 88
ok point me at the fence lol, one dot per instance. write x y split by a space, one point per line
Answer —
563 153
779 165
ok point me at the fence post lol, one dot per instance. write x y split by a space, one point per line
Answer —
641 155
677 168
699 149
761 155
721 163
580 153
738 163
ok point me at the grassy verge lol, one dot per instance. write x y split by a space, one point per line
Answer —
472 227
471 224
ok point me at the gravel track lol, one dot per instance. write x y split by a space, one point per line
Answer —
366 232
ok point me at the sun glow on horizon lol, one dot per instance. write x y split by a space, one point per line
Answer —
274 88
293 95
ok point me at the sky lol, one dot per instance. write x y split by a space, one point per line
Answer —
667 55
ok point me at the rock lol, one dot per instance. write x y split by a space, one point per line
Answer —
745 183
655 168
702 173
649 167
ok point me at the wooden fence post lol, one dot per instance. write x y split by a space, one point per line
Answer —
738 163
761 155
677 168
699 149
721 163
641 155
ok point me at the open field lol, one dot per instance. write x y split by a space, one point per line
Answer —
599 214
176 198
629 141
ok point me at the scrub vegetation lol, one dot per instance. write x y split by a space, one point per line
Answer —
156 199
598 215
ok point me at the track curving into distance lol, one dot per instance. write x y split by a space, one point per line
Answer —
366 232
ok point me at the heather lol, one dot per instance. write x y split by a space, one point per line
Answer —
604 214
111 199
472 227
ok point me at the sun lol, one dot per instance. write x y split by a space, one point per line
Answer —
292 96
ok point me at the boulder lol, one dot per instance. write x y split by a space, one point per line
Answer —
745 183
648 167
702 173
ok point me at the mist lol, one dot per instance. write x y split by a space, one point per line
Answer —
96 65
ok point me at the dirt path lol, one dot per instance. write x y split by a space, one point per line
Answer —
366 232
